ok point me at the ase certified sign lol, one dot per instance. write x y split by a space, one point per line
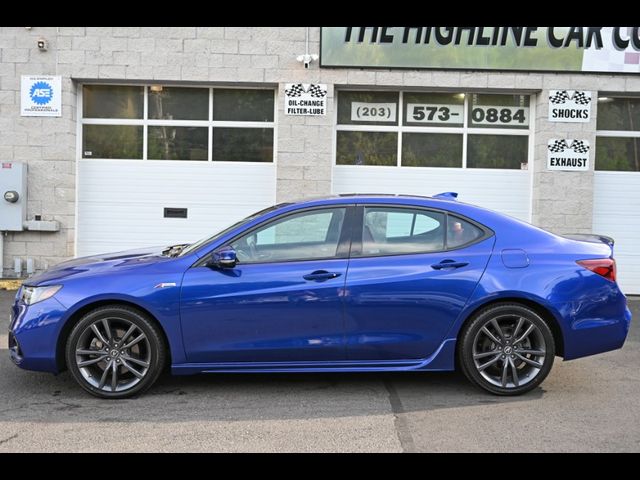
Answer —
569 106
41 96
567 154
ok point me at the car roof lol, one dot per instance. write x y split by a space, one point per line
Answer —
444 201
371 197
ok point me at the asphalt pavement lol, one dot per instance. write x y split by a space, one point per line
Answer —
589 404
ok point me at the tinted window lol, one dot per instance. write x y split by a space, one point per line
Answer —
499 111
618 154
392 231
367 148
242 144
618 113
433 109
497 151
175 103
431 150
112 101
367 108
177 143
243 105
460 232
112 141
303 236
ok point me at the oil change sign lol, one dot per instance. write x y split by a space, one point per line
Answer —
567 154
41 96
305 99
569 106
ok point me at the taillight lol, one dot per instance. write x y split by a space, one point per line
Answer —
602 266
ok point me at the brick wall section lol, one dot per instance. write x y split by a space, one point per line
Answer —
46 145
563 201
258 55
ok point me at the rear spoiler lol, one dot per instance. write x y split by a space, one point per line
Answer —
591 238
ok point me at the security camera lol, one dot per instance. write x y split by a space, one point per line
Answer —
306 59
42 44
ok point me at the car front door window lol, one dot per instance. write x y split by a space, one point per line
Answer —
309 235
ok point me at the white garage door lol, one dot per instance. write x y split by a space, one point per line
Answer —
147 148
616 213
121 204
476 144
481 187
616 198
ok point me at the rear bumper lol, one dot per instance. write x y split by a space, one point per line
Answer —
590 336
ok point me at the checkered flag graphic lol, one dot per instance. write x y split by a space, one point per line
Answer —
558 146
560 97
317 91
581 99
579 146
295 90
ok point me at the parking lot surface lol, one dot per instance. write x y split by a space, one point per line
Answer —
589 404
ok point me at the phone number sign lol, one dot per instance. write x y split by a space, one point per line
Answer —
442 114
373 112
499 116
485 115
434 113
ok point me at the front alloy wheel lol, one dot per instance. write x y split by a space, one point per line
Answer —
507 349
115 352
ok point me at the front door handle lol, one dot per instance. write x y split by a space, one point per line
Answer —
448 264
321 275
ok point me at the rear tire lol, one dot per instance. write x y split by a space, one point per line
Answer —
115 352
506 349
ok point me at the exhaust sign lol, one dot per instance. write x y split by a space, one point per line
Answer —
571 155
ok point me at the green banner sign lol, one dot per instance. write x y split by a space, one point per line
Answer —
557 49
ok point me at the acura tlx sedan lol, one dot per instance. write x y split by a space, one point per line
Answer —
346 283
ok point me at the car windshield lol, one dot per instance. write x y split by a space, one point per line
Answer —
204 241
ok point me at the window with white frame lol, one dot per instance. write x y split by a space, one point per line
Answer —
618 134
157 122
428 129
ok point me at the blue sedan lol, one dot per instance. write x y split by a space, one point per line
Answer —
346 283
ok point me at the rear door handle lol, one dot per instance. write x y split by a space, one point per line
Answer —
448 264
321 275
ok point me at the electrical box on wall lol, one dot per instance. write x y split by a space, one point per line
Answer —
13 196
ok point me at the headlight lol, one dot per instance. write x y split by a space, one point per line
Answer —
31 295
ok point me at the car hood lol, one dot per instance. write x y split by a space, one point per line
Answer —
126 259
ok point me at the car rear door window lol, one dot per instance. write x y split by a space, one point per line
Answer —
394 231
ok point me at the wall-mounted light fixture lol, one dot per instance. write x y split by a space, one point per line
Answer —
307 58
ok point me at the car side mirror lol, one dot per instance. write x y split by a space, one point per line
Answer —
224 258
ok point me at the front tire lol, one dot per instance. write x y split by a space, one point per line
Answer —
115 352
506 349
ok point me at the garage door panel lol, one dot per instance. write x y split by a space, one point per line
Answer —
487 188
129 219
616 212
121 204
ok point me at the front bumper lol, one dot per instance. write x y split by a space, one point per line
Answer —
33 334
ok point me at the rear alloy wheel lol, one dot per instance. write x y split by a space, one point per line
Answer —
115 352
506 349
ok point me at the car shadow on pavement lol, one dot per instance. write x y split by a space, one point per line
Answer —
36 397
